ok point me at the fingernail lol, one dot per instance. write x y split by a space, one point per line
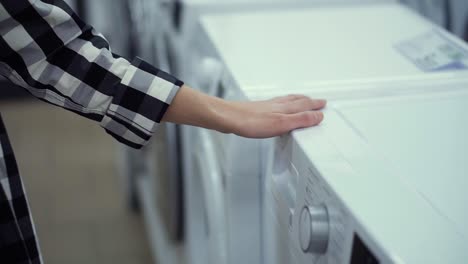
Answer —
320 116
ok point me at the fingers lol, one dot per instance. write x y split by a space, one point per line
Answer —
302 104
263 119
288 122
275 124
304 119
288 98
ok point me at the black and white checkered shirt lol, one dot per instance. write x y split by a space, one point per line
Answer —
47 49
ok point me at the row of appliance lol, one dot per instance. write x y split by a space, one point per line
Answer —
380 181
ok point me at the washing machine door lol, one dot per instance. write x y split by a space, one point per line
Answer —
206 221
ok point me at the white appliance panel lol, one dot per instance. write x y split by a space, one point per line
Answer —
370 164
426 144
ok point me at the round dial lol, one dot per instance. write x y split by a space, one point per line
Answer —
314 229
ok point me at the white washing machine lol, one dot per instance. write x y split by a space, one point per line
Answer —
325 51
159 39
381 180
162 32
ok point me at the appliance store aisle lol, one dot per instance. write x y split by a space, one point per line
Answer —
68 167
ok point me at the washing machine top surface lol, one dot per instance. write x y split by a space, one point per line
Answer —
330 44
400 164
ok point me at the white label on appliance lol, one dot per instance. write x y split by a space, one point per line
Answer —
432 51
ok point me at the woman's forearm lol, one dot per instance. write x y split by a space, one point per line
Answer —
191 107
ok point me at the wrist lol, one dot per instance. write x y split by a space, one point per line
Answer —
192 107
225 115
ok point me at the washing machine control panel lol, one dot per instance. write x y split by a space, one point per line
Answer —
313 222
322 224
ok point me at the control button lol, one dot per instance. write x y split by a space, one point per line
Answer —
314 229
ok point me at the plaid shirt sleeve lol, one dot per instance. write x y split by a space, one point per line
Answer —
47 49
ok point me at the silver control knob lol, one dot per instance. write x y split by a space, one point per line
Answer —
314 229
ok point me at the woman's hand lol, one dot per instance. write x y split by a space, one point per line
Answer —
258 119
277 116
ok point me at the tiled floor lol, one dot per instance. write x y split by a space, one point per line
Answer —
67 163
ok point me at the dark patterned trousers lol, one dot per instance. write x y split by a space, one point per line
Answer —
18 243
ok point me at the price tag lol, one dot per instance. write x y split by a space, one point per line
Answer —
432 51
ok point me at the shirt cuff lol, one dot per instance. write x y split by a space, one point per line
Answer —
140 101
